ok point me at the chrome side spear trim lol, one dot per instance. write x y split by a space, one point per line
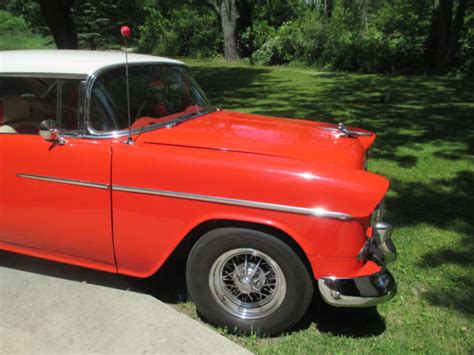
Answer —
65 181
317 212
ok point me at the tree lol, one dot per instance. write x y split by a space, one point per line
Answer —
228 12
57 15
93 21
443 39
98 21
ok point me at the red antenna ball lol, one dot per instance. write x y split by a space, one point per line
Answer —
125 31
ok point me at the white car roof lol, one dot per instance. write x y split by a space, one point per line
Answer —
70 62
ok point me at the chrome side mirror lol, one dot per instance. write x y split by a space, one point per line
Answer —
51 133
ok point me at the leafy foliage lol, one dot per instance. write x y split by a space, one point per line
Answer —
182 30
16 33
383 36
94 24
12 24
98 22
391 38
464 62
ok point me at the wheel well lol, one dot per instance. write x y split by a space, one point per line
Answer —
184 248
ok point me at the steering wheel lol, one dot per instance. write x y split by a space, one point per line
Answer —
159 107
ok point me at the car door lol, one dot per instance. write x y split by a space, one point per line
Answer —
53 197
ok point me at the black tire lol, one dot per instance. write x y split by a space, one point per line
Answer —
211 251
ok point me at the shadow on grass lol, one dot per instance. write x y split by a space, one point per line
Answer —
443 203
446 204
347 322
350 322
458 297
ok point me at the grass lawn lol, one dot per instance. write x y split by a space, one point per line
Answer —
9 41
425 147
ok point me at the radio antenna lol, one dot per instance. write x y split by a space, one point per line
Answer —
126 32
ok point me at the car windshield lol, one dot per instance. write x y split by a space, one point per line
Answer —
159 93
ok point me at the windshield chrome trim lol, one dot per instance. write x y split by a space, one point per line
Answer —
315 212
65 181
125 132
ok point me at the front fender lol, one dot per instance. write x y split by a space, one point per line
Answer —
147 227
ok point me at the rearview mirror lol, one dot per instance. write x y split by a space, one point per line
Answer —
50 133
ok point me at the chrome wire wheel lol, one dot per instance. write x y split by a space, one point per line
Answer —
247 283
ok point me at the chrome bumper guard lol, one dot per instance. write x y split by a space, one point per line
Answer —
382 238
365 291
380 247
370 290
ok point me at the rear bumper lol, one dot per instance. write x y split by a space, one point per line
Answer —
370 290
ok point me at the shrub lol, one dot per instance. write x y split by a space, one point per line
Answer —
464 61
280 47
185 31
15 33
10 24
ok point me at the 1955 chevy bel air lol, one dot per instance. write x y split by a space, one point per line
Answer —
267 210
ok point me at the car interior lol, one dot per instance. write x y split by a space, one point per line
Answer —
26 102
15 115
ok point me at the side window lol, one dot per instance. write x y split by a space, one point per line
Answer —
26 102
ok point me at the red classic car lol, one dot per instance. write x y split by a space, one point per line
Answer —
267 210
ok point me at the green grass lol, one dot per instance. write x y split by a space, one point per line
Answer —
25 41
425 147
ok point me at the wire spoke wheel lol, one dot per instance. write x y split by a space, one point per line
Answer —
247 283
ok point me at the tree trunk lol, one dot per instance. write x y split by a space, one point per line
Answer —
365 14
445 14
444 34
432 44
327 8
57 15
454 35
229 15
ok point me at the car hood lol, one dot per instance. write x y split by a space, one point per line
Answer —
255 134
